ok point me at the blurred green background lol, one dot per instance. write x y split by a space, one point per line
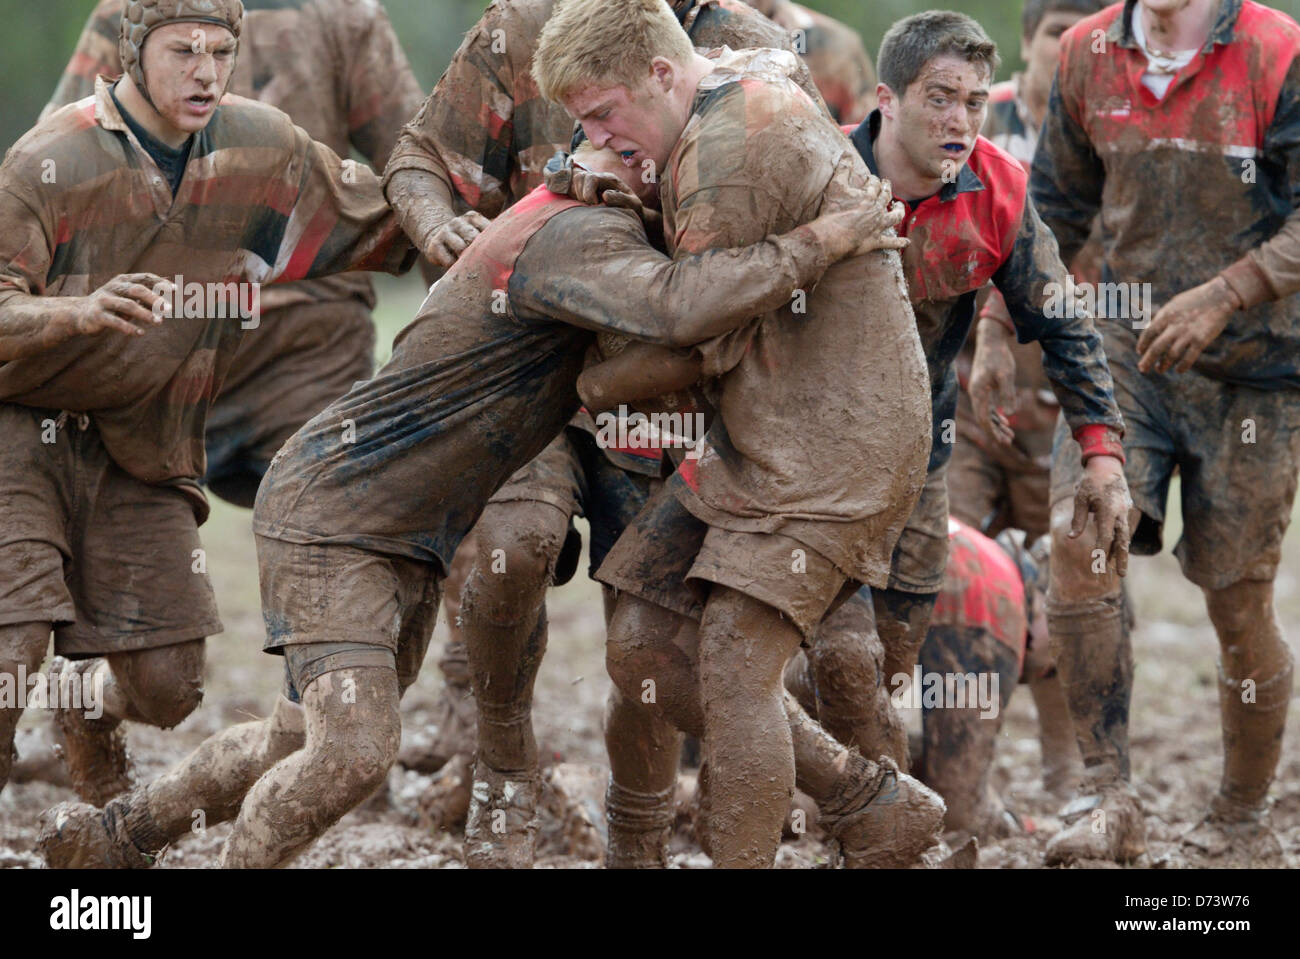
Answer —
39 38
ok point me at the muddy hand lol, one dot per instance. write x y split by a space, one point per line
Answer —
1185 326
993 381
1104 493
128 304
594 188
860 228
881 213
454 238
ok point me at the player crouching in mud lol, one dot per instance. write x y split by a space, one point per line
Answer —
354 540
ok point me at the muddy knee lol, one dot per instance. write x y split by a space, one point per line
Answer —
636 643
847 659
353 726
518 545
162 686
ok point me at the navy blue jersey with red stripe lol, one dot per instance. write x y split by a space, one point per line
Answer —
1202 182
980 228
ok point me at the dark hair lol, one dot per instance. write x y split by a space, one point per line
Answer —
1034 11
914 41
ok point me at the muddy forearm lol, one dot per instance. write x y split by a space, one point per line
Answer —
33 324
640 372
713 293
1271 271
594 268
422 202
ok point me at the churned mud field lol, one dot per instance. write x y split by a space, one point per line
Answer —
1176 748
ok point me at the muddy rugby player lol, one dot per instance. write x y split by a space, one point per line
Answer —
353 541
1001 480
972 222
314 338
1208 388
105 397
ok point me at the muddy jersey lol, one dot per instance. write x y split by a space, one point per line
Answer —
486 374
836 58
487 132
1204 181
335 66
983 589
260 202
979 228
822 431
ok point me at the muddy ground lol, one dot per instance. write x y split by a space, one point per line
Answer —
1176 746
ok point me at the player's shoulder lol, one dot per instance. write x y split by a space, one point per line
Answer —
735 24
763 80
529 15
241 121
1272 31
343 14
65 132
996 166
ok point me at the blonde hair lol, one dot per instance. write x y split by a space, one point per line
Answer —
606 43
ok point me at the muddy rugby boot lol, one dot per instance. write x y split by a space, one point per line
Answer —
501 829
76 835
1234 835
1104 823
640 827
891 821
94 750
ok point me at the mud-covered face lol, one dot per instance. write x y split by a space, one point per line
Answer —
940 114
1042 51
187 67
641 124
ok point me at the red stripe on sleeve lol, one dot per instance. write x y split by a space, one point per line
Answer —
312 240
